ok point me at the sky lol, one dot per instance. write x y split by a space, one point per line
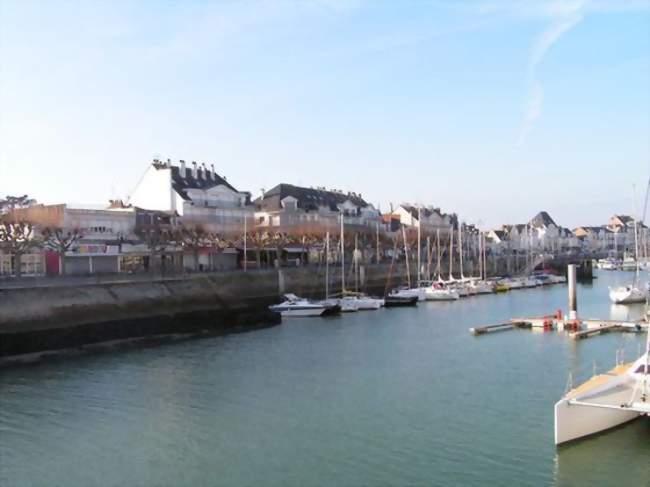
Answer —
492 109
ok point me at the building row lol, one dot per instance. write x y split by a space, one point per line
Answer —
130 236
542 234
125 235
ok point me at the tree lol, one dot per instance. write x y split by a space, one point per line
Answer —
193 238
257 240
60 241
156 237
10 203
16 239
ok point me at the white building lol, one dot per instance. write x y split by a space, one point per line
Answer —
290 207
102 233
196 194
429 219
596 239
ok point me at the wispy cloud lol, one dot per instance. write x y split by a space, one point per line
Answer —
561 15
566 16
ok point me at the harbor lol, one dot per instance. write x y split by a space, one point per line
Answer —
391 396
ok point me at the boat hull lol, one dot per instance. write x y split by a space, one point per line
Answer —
299 312
573 421
626 295
400 301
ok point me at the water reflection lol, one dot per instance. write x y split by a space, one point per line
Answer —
617 457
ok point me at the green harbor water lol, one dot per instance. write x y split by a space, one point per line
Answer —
393 397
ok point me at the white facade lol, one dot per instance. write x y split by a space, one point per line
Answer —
198 195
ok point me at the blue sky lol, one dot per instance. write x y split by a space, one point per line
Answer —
494 109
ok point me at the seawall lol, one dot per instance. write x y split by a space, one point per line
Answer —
44 318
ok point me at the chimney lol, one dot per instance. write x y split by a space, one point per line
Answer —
213 174
183 170
194 170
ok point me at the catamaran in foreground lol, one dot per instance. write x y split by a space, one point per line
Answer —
605 401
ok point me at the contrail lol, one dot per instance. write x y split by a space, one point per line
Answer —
567 15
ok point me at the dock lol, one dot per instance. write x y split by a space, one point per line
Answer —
590 332
482 330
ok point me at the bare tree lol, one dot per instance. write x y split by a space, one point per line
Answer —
60 241
16 239
156 238
193 238
10 203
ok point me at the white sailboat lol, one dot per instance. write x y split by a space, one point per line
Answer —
631 293
348 304
605 401
481 285
627 295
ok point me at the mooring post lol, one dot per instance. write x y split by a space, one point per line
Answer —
281 287
573 296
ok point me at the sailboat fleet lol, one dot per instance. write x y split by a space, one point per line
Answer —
450 289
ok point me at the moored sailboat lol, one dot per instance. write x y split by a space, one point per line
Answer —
605 401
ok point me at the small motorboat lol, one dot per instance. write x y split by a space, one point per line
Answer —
395 301
294 306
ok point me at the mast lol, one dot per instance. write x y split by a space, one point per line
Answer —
480 260
327 265
644 394
636 239
342 257
419 243
484 259
356 264
377 241
245 242
460 249
451 253
406 257
428 258
438 253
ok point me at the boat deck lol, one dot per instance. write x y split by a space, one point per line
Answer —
597 380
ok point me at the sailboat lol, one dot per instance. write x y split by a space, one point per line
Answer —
631 293
355 301
459 286
605 401
408 292
347 304
481 285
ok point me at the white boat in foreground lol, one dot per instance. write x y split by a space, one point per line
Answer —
627 295
294 306
604 401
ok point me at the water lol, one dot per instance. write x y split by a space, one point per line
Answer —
393 397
